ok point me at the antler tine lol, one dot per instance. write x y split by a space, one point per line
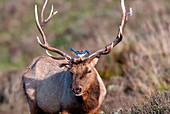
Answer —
107 49
51 15
58 58
42 14
46 45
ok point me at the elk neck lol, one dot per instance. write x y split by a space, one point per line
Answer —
90 100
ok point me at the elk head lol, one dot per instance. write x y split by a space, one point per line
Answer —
84 76
83 70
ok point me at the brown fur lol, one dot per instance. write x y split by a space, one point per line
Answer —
90 101
47 79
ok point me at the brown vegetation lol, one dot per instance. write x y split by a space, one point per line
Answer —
158 103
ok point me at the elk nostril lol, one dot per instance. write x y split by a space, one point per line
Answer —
77 90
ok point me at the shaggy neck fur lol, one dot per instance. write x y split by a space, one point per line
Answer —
90 100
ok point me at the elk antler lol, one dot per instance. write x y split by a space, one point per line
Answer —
103 51
46 45
107 49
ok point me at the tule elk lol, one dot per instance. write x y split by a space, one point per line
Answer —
66 84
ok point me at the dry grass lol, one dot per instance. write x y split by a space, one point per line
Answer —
156 103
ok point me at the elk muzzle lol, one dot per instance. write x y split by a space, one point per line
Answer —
77 91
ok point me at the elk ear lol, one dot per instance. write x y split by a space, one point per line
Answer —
94 61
